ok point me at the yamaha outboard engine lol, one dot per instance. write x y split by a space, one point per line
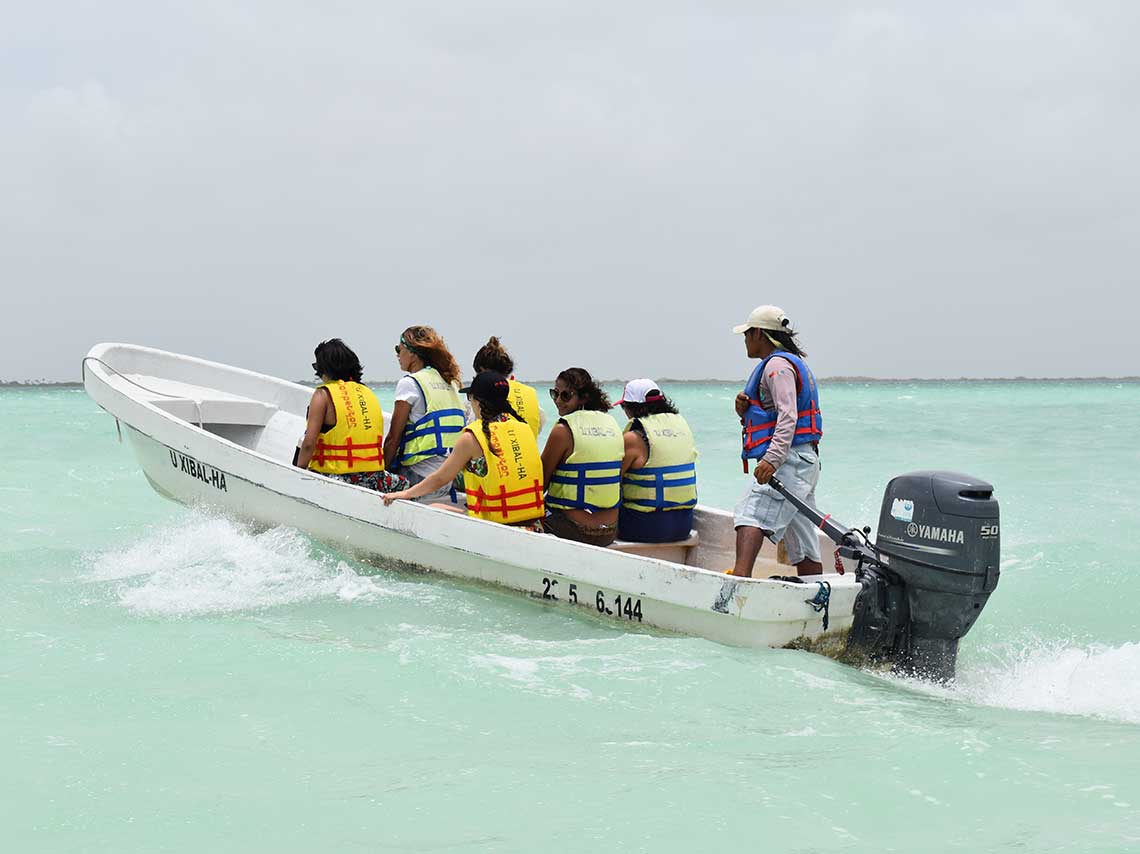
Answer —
930 573
938 554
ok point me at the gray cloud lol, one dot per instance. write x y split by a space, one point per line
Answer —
927 189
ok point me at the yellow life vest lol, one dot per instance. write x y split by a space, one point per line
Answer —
436 433
668 480
590 478
524 399
356 442
511 490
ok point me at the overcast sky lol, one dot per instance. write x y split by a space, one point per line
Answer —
928 189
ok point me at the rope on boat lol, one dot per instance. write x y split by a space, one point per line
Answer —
822 601
83 376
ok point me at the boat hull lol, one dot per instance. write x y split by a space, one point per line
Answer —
196 467
747 613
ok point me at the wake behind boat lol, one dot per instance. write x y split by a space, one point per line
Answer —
223 437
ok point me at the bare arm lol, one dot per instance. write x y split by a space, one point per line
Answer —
559 445
400 411
313 427
636 454
465 450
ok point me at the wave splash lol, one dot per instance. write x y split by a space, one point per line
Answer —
214 565
1096 680
205 565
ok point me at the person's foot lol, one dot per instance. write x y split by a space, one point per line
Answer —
809 567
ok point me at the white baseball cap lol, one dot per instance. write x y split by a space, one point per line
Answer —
768 317
640 391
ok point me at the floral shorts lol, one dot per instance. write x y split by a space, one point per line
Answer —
381 481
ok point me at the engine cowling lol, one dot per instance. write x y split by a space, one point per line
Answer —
938 549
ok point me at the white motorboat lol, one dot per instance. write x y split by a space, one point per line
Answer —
218 436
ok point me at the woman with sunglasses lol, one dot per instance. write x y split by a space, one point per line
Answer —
344 424
427 416
659 473
581 462
493 356
498 456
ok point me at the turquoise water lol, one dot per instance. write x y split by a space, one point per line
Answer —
170 681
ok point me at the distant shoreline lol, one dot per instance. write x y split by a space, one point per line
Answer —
39 384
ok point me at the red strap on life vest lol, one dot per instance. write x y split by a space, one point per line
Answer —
754 428
353 453
499 502
750 443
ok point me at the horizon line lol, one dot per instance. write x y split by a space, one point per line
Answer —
841 380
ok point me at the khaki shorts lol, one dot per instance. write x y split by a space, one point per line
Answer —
762 507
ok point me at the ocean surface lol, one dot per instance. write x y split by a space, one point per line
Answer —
174 681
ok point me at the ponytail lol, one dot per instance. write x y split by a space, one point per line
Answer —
788 340
492 356
490 410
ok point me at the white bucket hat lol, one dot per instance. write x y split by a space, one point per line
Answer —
768 317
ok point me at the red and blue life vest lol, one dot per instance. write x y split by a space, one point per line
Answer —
760 423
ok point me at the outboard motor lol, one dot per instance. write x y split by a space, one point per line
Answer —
927 578
938 554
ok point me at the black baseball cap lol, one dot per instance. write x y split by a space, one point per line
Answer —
489 385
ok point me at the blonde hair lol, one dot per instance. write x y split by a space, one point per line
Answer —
426 343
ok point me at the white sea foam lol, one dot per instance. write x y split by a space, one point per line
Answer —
214 565
1098 681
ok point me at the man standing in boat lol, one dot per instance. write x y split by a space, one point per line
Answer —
782 426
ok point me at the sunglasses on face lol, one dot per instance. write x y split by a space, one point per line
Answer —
316 370
564 395
397 349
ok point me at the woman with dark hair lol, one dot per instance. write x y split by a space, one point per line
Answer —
427 416
581 462
498 457
345 424
659 473
492 356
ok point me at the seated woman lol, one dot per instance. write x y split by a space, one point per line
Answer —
345 425
427 416
659 473
492 356
499 459
581 462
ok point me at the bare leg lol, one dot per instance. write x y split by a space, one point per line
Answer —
748 542
807 566
453 508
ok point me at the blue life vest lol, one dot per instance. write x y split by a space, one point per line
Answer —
760 423
436 433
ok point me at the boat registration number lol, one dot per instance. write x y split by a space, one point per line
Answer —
606 604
